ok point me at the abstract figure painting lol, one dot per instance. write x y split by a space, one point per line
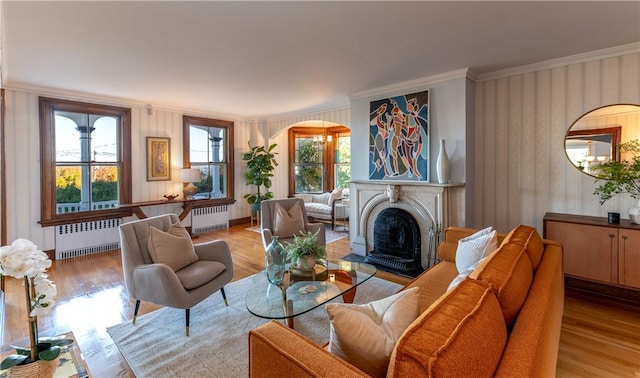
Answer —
399 138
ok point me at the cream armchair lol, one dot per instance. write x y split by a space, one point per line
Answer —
158 283
267 221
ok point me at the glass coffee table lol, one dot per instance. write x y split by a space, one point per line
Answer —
301 293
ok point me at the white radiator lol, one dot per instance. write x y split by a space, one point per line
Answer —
204 219
80 239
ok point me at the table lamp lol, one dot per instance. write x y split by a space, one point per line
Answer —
189 175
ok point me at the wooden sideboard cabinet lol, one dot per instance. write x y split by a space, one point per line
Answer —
596 250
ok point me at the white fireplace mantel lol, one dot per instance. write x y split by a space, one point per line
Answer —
433 206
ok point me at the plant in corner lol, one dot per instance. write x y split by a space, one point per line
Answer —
23 260
260 165
619 177
304 250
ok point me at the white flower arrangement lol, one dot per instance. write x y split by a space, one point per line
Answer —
23 260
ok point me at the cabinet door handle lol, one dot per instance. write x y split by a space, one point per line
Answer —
611 270
624 257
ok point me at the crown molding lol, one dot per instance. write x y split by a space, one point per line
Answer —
325 107
118 101
630 48
422 82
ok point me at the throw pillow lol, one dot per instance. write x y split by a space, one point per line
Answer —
475 247
335 194
365 335
464 274
288 223
173 248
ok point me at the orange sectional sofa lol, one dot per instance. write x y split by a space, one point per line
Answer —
503 320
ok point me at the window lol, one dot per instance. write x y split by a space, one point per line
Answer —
85 160
208 147
343 161
319 159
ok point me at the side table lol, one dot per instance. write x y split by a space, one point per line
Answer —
344 206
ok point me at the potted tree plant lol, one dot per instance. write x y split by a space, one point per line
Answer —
619 177
304 251
260 165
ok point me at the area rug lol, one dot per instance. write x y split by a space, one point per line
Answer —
156 346
330 234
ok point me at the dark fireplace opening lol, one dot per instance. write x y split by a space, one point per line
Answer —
396 243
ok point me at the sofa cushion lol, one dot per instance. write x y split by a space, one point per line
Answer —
316 208
509 273
475 247
433 283
322 198
462 334
464 274
527 237
288 223
365 335
306 197
447 251
173 248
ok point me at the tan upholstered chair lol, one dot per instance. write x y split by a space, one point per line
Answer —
267 221
158 283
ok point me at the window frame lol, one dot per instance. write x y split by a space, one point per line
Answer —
187 121
47 107
328 158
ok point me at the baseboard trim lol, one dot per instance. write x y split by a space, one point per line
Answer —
617 292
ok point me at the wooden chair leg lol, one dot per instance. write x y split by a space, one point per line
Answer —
187 312
224 296
135 311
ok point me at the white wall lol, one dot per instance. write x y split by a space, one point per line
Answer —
521 170
448 120
23 161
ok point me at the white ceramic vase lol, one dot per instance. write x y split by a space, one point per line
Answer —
634 213
443 165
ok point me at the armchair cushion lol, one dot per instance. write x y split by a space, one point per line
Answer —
199 273
365 335
288 223
173 248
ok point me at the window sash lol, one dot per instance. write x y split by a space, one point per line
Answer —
49 108
207 146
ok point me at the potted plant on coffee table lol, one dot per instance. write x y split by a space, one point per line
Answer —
303 252
260 165
621 177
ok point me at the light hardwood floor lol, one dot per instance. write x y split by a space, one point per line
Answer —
600 337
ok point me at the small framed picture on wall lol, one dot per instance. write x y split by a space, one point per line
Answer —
158 159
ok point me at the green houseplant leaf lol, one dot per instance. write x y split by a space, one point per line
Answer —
304 245
260 165
12 360
619 177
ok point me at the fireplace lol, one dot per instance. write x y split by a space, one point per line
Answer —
432 206
396 243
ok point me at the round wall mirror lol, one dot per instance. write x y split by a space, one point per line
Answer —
593 138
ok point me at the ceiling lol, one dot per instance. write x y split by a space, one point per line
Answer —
262 59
